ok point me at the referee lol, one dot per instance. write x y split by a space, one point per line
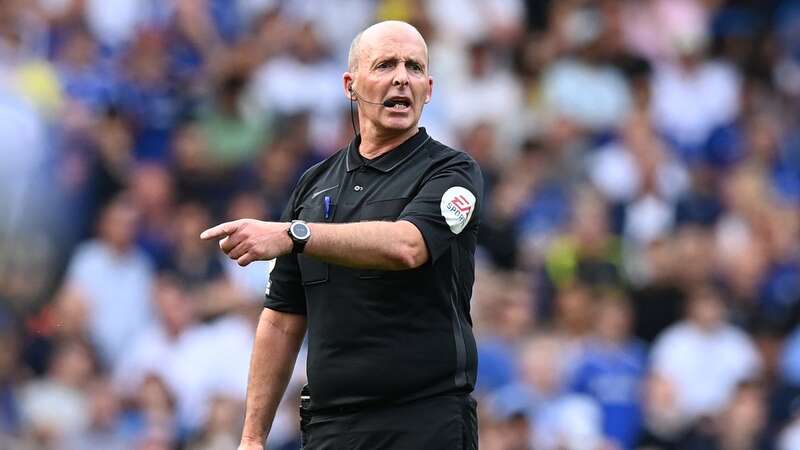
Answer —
375 259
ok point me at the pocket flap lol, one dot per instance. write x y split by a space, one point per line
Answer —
312 270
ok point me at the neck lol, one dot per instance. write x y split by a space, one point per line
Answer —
374 143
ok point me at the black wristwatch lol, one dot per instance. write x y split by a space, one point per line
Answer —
300 233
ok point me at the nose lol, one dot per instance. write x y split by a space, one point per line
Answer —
400 76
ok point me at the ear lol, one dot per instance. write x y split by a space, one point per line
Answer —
348 80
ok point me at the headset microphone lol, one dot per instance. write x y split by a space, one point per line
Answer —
354 97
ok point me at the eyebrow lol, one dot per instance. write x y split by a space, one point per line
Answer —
395 59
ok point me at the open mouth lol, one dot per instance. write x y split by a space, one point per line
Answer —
400 103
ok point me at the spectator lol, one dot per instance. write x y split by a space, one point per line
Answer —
248 283
235 134
485 82
87 81
114 277
658 299
505 311
153 416
115 24
193 262
175 351
680 355
556 420
303 79
56 406
153 191
222 427
612 371
508 426
588 252
678 85
184 353
148 96
639 161
67 318
583 87
105 430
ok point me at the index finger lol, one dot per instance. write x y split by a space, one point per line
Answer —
223 229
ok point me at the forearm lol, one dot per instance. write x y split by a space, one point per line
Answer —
277 342
370 245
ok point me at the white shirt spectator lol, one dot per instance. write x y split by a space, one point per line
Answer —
472 20
287 85
230 343
338 21
495 97
689 104
115 22
648 218
571 422
704 366
46 404
117 288
182 362
251 279
595 96
615 172
657 29
202 361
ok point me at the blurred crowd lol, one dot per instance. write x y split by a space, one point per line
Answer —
638 280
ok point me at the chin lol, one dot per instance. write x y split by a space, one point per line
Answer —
400 124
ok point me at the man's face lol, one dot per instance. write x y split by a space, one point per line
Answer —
392 65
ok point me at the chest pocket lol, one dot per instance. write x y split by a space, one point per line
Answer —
388 209
312 270
385 210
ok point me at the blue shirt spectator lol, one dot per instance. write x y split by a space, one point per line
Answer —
613 376
612 371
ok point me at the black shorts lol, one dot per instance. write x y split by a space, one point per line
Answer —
447 422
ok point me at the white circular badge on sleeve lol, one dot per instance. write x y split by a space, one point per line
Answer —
457 206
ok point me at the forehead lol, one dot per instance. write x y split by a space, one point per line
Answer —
393 43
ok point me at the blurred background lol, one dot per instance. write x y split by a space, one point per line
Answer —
638 279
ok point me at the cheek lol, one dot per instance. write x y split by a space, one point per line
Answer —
421 93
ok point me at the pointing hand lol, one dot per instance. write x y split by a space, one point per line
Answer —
248 240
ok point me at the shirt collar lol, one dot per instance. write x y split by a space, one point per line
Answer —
390 159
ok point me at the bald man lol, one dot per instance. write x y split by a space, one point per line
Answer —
375 259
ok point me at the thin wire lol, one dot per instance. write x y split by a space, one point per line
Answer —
352 119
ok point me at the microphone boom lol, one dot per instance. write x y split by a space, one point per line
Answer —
387 103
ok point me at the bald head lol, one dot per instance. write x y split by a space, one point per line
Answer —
375 33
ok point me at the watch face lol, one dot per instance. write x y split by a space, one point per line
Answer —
300 231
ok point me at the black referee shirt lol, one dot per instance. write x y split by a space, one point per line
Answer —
387 336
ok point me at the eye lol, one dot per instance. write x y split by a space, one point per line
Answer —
416 67
384 65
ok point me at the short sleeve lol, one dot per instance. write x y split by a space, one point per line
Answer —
447 205
285 291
